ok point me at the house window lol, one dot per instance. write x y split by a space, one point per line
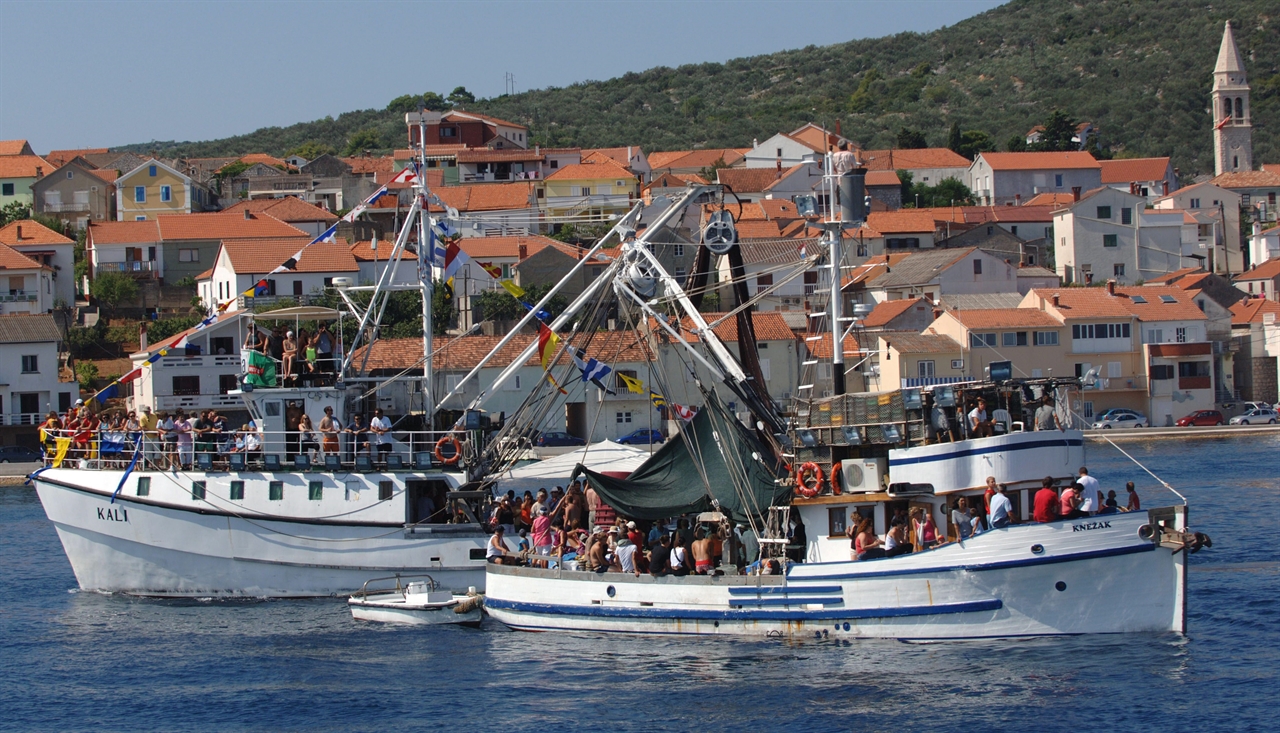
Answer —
1155 335
764 282
297 287
1057 180
982 340
1088 410
623 418
70 175
144 486
448 132
618 384
678 250
6 189
1193 369
1195 203
1104 212
1013 338
1180 335
1245 200
977 267
1013 230
1046 338
924 368
186 385
1109 240
166 193
1118 270
140 194
585 191
237 491
541 193
188 255
1126 216
680 273
30 364
553 164
226 383
902 243
1162 371
275 491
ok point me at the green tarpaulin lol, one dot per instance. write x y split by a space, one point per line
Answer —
691 469
260 369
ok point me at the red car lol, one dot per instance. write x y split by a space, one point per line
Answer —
1202 417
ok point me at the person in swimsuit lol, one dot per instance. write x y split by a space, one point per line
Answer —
867 545
702 561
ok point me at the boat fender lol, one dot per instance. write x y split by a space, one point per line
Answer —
808 470
835 478
468 605
457 450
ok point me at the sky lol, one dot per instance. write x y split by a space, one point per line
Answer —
99 74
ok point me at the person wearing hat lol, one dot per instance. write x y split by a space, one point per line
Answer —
290 353
149 423
624 557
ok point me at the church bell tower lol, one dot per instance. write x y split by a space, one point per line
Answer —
1232 131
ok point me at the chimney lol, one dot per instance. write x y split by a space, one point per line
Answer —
1056 300
142 336
1111 287
838 133
629 153
19 232
937 313
523 252
247 216
1075 193
1017 199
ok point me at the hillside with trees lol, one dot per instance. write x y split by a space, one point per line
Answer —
1138 69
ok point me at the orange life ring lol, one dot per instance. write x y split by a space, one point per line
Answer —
457 450
813 471
835 478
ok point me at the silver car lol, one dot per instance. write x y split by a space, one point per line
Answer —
1121 420
1265 416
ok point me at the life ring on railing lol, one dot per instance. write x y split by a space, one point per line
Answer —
808 470
457 450
835 478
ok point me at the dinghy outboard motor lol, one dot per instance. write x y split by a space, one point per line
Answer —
720 235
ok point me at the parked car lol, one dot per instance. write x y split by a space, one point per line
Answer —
1256 406
1263 416
559 439
641 437
18 454
1116 412
1201 417
1124 419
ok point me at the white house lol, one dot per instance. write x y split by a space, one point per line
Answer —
29 373
373 256
782 151
26 286
997 179
50 249
125 246
935 273
197 378
929 166
240 263
1110 234
1150 178
1218 237
1264 245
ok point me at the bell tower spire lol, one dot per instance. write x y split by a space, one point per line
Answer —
1232 129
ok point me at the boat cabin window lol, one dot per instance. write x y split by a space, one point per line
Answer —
836 517
426 501
271 408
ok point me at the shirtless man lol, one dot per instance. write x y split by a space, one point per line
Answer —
702 559
599 548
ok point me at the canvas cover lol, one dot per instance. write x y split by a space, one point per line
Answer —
690 470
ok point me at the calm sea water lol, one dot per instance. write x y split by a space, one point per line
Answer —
77 661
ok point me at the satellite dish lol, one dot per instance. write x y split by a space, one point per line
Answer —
720 235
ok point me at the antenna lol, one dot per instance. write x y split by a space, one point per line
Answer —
508 83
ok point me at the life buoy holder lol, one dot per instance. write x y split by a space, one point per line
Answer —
457 450
835 478
808 470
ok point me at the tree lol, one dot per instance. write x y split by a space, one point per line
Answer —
86 372
1016 144
1058 131
366 139
434 102
111 289
954 141
501 306
460 96
16 211
973 142
311 150
864 97
909 139
948 191
904 180
712 172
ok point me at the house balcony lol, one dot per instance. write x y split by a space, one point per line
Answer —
147 269
908 382
66 208
18 296
261 300
202 401
22 418
1119 384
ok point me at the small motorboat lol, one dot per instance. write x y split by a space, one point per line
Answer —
415 600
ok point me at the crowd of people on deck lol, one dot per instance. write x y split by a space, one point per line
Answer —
305 359
576 530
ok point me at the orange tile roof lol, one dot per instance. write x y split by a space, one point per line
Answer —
483 118
33 232
1268 270
362 164
24 166
1040 161
903 221
821 349
768 325
617 155
889 160
772 229
1184 309
260 256
1005 318
12 259
1252 310
1247 179
224 226
1170 277
929 342
123 232
1076 303
604 170
888 310
287 209
206 275
747 180
270 160
62 157
1096 302
486 196
485 155
883 178
507 247
1134 169
1055 200
105 174
431 150
13 147
693 158
873 268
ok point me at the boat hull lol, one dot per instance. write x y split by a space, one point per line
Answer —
402 613
159 548
1089 576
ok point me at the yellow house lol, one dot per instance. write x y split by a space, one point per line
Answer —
17 173
910 359
598 187
154 188
1028 337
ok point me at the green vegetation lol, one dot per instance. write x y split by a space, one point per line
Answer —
948 192
499 305
111 289
86 372
1139 70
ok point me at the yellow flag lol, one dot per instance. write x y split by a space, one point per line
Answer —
516 291
633 385
63 445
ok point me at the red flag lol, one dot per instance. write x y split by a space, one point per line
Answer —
495 271
684 413
130 376
547 341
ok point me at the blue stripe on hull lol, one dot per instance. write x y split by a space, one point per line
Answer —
979 567
1030 445
692 614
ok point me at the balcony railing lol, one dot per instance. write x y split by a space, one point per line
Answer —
931 381
142 268
66 208
251 303
22 418
202 401
18 296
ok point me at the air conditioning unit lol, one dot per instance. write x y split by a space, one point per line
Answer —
863 475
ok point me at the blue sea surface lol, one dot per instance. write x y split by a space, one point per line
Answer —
80 661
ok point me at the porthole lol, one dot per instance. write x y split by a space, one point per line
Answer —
611 591
1145 532
1061 586
1037 549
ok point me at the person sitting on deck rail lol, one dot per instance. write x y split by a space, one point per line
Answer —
1110 506
679 560
960 519
702 561
896 540
1069 504
496 551
1046 502
999 516
866 545
980 425
660 556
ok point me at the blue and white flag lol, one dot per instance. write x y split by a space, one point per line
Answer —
592 370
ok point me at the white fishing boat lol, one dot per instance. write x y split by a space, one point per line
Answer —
414 600
893 453
262 520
